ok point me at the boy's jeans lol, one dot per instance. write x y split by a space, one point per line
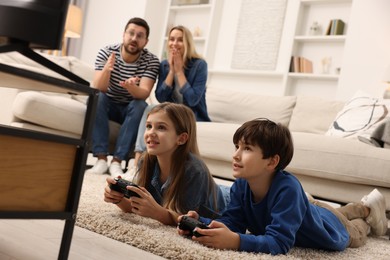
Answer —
352 217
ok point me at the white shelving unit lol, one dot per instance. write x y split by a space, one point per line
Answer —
318 47
201 19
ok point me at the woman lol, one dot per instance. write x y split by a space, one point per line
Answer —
183 76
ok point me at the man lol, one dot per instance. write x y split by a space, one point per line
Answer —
125 74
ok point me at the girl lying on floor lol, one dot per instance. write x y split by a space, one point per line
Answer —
172 177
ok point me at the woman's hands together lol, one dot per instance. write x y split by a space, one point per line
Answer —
176 63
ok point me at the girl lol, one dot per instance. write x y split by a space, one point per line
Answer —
172 177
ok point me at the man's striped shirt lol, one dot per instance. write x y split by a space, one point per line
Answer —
147 65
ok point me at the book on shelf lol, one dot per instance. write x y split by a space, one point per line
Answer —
335 27
306 66
301 65
294 64
339 27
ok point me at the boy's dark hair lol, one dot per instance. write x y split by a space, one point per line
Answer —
272 138
140 22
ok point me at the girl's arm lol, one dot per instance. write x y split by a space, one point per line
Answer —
147 206
115 197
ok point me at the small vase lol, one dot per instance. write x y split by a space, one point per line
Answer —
315 29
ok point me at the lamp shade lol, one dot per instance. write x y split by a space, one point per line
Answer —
74 21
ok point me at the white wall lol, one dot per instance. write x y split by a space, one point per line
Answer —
104 24
366 55
367 49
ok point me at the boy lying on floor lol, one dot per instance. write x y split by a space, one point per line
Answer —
269 211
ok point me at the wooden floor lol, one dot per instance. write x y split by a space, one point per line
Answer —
40 239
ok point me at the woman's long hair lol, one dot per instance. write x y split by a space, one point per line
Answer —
184 121
189 45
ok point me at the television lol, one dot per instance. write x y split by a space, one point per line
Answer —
36 23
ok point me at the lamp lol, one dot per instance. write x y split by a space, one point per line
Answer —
386 78
73 24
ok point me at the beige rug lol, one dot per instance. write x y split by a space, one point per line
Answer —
149 235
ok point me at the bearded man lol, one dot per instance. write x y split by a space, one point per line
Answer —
125 74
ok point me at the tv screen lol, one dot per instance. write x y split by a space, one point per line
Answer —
38 23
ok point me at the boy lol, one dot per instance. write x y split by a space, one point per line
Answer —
269 211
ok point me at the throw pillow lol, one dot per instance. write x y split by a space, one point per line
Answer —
360 116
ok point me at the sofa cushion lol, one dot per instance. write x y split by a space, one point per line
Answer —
314 114
57 112
360 116
231 106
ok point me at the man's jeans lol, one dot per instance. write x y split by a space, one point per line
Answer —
128 116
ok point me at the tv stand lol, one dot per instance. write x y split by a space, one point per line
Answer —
41 174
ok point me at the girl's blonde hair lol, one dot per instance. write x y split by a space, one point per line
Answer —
184 121
189 45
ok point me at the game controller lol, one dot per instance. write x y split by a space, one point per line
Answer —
189 224
121 185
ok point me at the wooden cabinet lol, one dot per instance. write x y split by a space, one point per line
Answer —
41 174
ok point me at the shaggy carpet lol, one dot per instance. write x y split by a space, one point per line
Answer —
150 235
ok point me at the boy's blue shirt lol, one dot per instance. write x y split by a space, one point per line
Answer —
283 219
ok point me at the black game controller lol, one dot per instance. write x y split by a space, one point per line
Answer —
121 185
189 224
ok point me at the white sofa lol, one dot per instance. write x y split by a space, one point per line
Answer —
61 114
329 167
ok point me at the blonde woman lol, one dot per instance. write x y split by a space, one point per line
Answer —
183 75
